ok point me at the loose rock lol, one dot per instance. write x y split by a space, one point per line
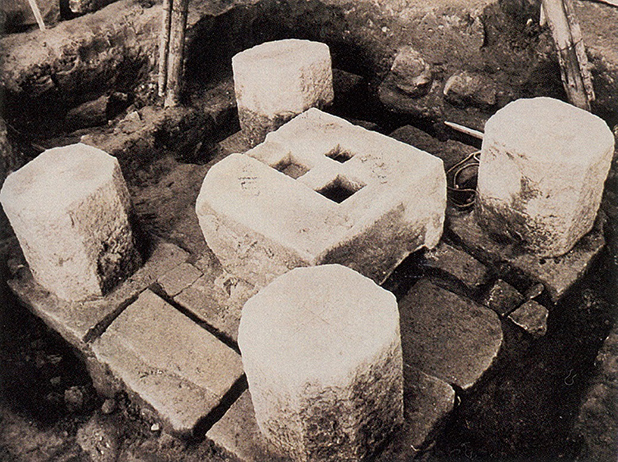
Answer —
503 298
531 317
470 89
410 73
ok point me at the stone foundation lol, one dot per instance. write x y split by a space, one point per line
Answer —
321 190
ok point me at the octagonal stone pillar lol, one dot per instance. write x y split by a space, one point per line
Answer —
276 81
543 166
69 208
322 353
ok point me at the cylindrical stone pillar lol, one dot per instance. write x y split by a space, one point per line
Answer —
322 353
69 208
276 81
543 166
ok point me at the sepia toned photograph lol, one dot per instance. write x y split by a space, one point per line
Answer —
308 230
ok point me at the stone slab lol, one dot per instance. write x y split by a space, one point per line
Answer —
466 269
238 434
448 336
531 317
79 322
503 298
428 401
168 361
217 298
558 274
179 278
322 190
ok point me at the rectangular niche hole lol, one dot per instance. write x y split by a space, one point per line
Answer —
340 189
292 169
340 155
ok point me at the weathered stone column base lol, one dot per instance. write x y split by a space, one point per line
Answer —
324 366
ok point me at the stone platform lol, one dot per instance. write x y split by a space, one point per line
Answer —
192 291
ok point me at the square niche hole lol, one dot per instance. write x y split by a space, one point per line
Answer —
292 169
340 189
340 155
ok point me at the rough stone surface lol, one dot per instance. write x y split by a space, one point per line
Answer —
531 317
277 80
70 211
448 336
410 73
503 298
217 298
466 269
280 206
183 377
450 151
324 363
237 432
543 167
80 322
470 89
178 279
597 422
558 274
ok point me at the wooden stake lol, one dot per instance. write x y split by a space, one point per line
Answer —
176 52
572 70
580 49
468 131
608 2
164 44
37 13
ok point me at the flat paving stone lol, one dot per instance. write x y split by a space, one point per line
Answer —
168 361
428 401
448 336
531 317
79 322
457 263
558 274
503 298
237 432
178 279
217 299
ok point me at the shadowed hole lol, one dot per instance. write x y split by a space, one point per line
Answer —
340 189
340 155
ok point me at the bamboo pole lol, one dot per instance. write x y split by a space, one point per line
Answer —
164 46
575 73
178 26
